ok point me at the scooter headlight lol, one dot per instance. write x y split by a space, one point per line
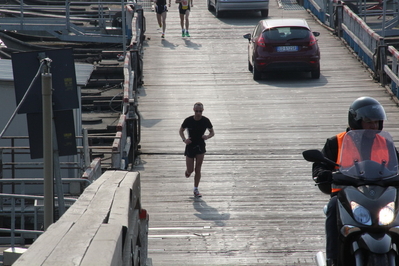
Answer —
387 214
361 214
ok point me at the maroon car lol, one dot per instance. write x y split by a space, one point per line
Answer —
283 45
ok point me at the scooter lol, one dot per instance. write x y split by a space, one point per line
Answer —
367 202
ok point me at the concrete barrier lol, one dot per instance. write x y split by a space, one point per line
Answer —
105 226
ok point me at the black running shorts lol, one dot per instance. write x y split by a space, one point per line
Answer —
161 8
193 150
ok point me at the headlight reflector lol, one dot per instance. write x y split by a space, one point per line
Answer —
387 214
361 214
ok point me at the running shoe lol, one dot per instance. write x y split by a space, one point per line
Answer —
187 34
163 35
186 174
197 194
183 33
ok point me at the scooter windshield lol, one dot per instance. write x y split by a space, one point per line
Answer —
368 154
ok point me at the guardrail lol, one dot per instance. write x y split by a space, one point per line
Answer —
370 47
10 203
360 37
392 71
317 7
86 165
126 140
102 22
123 151
122 219
105 226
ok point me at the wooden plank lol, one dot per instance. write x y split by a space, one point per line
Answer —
120 212
79 207
106 247
73 245
123 212
37 252
132 180
47 242
259 204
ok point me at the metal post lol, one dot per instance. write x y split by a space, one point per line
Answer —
67 15
12 223
124 26
57 177
331 12
21 9
384 11
339 18
382 53
48 149
86 150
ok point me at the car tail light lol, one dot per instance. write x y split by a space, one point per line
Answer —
312 40
261 41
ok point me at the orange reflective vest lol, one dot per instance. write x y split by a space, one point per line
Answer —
379 153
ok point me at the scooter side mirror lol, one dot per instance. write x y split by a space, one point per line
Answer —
316 156
313 156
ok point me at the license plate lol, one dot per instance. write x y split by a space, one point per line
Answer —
287 48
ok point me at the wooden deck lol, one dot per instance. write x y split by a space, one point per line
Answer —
259 204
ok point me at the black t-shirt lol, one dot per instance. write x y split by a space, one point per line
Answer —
196 129
161 2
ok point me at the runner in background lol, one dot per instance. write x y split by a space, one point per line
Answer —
160 10
184 11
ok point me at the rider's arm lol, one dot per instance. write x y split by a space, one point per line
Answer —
330 151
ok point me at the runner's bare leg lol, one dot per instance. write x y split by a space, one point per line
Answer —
189 166
198 164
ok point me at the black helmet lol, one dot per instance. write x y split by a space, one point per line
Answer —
365 108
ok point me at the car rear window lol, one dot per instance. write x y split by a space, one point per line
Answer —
286 33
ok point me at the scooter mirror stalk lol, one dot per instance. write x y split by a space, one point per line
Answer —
316 156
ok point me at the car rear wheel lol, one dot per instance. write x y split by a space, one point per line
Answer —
315 73
210 7
257 75
250 67
264 13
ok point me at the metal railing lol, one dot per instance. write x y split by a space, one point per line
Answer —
392 71
86 166
95 22
361 38
24 211
370 47
10 165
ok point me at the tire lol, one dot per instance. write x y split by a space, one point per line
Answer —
250 67
377 259
315 73
218 13
210 7
257 75
264 13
